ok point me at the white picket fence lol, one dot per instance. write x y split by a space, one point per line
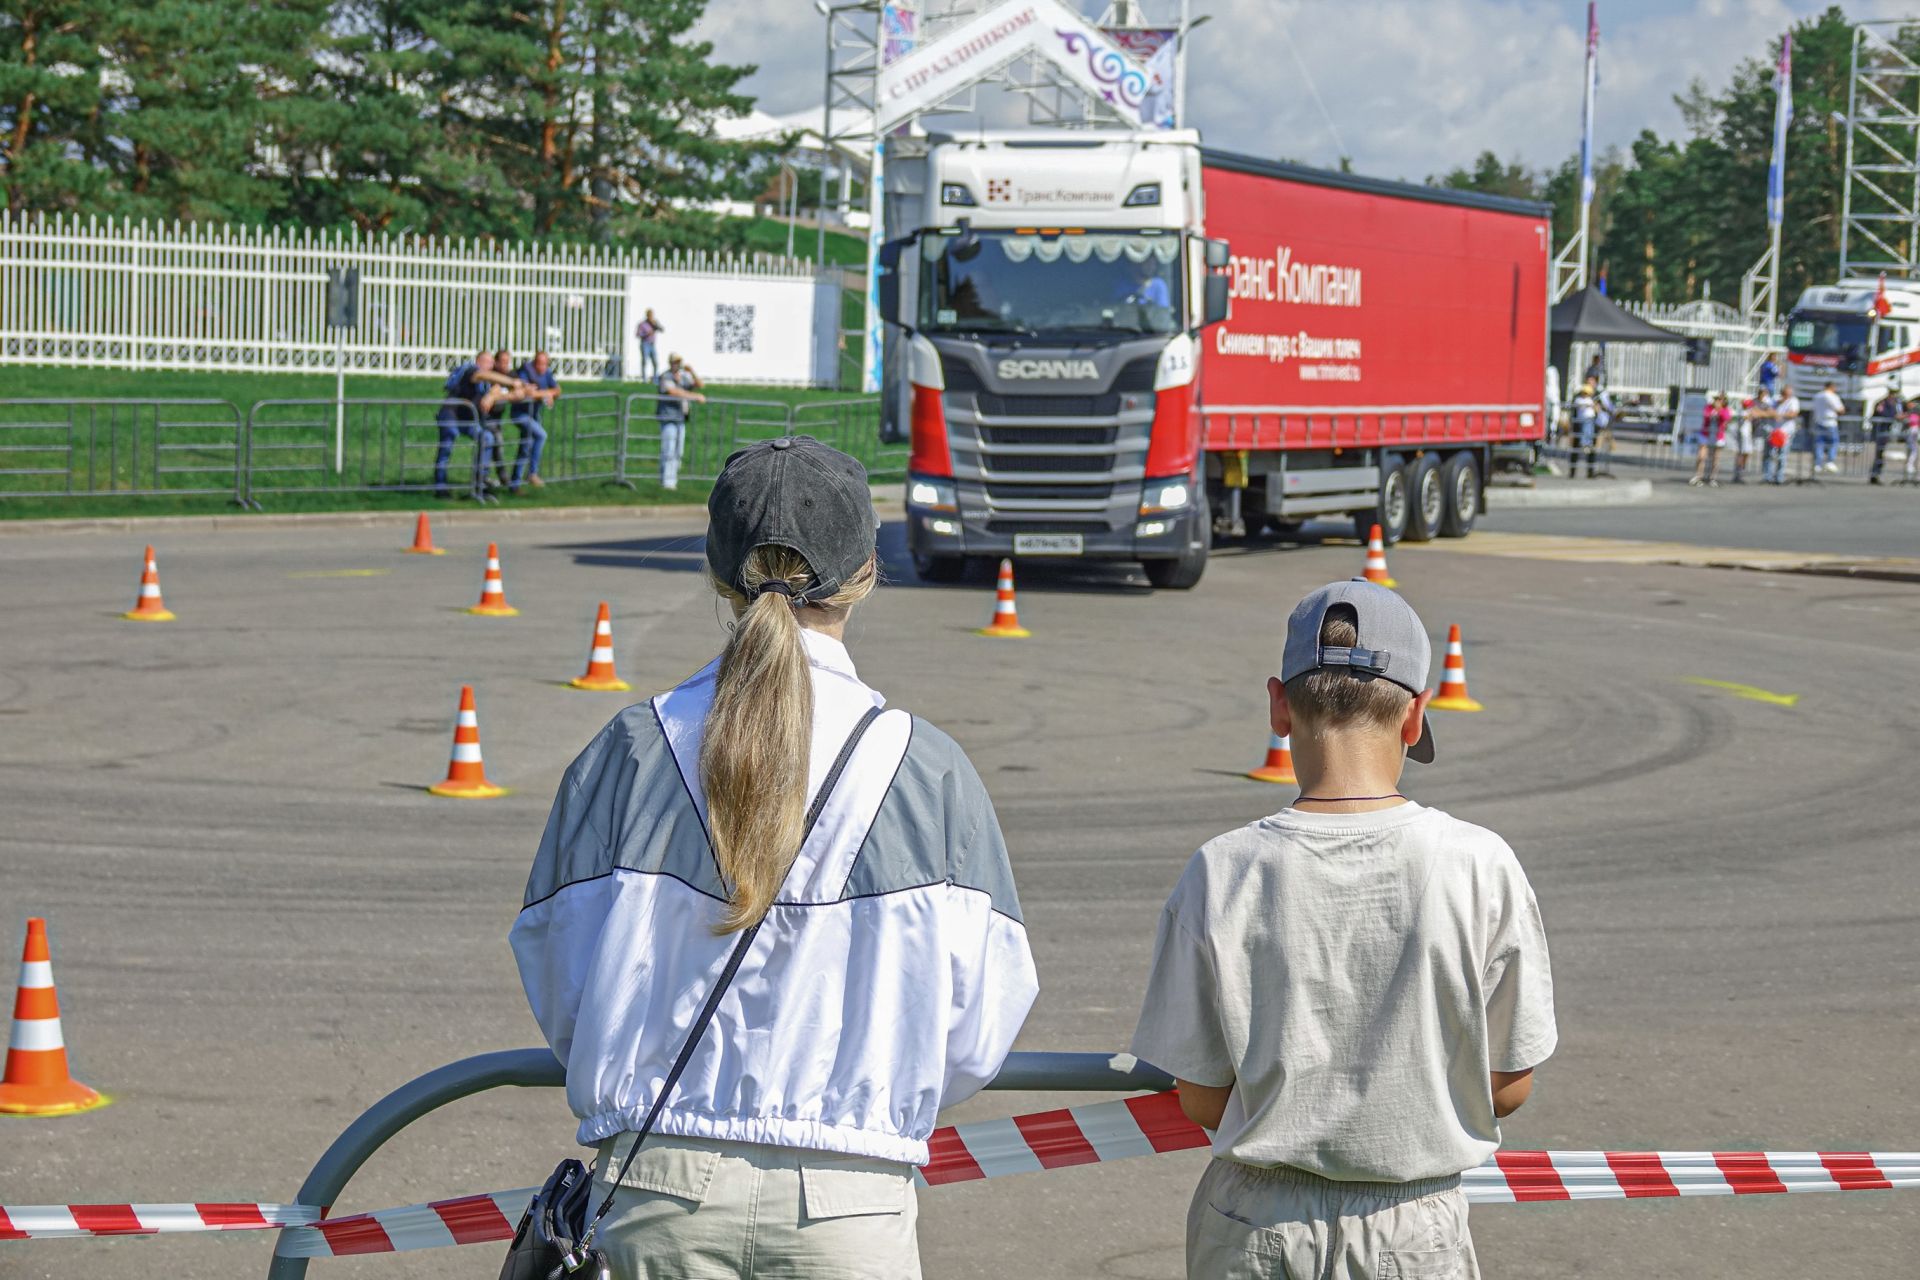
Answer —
87 291
1650 368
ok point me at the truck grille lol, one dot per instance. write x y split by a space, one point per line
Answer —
1016 525
1015 492
1055 462
1048 435
1031 406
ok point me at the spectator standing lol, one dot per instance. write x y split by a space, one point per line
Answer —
1586 419
1910 473
1889 416
1825 444
1756 418
1352 992
1786 425
1597 368
1713 434
868 907
679 388
1770 374
537 374
461 414
649 331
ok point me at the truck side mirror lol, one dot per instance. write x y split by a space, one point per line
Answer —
889 283
1217 304
1219 255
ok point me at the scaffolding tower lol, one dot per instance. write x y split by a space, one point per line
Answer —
1880 210
858 45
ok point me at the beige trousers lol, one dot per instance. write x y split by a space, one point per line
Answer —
696 1210
1285 1224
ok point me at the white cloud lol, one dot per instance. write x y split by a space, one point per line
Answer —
1414 87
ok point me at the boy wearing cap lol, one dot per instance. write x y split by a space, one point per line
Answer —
1352 991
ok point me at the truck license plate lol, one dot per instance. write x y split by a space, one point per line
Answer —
1048 544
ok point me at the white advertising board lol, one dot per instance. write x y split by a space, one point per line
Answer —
743 329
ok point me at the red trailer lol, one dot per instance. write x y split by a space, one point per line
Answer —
1384 338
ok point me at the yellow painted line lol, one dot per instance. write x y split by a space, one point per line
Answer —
1747 691
341 573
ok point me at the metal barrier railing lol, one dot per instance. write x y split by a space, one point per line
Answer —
71 447
538 1068
135 447
1664 448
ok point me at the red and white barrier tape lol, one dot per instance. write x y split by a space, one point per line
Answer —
1093 1134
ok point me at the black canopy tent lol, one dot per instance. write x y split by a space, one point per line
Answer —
1591 316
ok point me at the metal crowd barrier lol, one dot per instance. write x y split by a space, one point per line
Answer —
135 447
1663 447
73 447
538 1068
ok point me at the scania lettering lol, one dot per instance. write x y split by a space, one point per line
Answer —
1063 395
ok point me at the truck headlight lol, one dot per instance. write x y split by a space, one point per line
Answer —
933 495
1165 495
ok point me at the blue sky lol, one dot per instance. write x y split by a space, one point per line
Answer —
1407 87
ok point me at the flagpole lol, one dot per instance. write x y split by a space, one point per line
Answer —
1586 143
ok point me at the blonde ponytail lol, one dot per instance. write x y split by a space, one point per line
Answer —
759 732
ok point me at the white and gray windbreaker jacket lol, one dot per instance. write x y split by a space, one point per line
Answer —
888 981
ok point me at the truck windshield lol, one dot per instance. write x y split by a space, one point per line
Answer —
1815 334
1007 282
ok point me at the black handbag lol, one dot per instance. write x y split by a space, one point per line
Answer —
554 1240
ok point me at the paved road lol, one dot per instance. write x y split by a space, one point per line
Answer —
1842 517
261 924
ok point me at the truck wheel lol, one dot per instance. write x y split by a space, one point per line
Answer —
1427 498
1462 483
943 569
1183 572
1391 512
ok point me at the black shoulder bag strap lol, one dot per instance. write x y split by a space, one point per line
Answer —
699 1028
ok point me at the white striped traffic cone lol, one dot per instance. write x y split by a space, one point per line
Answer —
37 1082
1453 679
1006 620
493 591
1279 765
600 676
1376 570
466 775
149 607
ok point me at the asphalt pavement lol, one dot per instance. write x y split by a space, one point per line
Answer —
261 923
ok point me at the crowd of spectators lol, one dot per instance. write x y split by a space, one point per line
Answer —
481 394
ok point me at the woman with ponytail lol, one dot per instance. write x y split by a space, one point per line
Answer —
769 812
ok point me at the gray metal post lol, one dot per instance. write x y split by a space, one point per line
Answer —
537 1068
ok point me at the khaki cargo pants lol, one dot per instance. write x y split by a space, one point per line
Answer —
1285 1224
695 1210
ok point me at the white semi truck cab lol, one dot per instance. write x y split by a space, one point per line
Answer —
1051 292
1841 333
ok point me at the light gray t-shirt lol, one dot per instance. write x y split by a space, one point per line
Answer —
1355 976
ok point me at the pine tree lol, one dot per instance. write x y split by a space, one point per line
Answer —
49 89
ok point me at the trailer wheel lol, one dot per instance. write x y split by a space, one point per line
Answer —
1463 496
1391 511
1427 494
942 569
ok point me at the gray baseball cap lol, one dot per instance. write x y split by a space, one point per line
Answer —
792 492
1392 644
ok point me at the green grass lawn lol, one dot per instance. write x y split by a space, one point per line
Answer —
769 235
189 451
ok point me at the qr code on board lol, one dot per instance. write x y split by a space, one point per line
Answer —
733 329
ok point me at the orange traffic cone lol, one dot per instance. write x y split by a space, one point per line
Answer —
1377 559
1279 765
466 775
1453 679
493 593
423 538
1006 620
149 607
600 676
36 1082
